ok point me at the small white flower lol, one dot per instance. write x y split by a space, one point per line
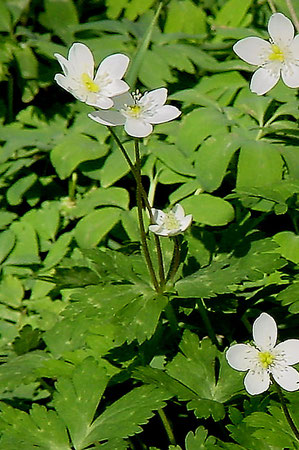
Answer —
266 358
172 223
79 79
138 113
278 57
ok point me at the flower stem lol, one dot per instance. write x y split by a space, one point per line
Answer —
284 408
293 14
272 6
137 177
72 186
167 426
140 219
206 321
175 262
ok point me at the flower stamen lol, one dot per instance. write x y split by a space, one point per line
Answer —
277 54
90 85
266 359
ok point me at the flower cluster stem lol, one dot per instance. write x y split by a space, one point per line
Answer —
145 249
284 408
167 426
175 262
293 14
206 321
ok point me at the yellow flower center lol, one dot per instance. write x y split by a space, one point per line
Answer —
170 222
90 85
134 110
266 358
277 54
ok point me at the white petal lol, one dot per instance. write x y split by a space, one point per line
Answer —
252 50
137 127
288 378
294 47
264 332
157 229
281 29
179 212
263 80
116 87
110 118
157 96
114 65
159 216
123 99
240 356
99 101
165 114
289 349
65 65
186 222
256 382
81 59
290 75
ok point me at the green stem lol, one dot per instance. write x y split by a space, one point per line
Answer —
137 176
272 6
167 426
133 169
285 409
175 262
72 186
206 321
10 114
140 219
293 14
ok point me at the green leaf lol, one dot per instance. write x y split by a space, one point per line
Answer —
196 126
27 62
40 429
45 221
17 190
232 13
173 158
58 250
101 196
76 399
212 159
72 150
11 291
5 19
260 164
93 227
7 242
185 16
61 16
290 296
209 210
288 245
137 406
25 250
199 440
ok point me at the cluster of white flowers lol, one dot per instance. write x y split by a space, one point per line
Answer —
107 91
265 358
279 57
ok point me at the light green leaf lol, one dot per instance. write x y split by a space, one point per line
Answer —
17 190
208 210
185 16
61 16
5 19
45 221
288 245
11 291
25 250
93 227
72 150
260 164
57 250
7 242
232 13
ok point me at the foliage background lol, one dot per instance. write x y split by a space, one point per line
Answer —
91 355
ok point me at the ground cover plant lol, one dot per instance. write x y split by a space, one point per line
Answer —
149 248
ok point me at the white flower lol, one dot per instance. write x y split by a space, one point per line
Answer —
266 358
172 223
79 79
278 57
138 113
